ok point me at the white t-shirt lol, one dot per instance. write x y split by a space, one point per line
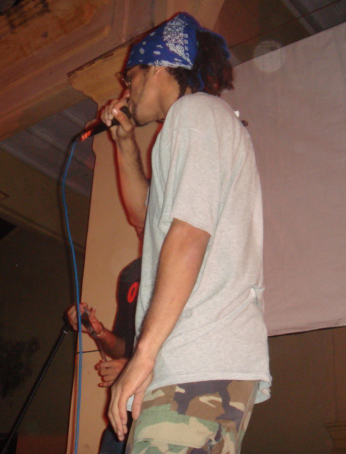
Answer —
204 173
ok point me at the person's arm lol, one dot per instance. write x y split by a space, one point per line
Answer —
180 261
133 182
113 346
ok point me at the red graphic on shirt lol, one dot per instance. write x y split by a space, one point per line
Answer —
132 293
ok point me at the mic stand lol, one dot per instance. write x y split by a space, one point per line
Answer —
65 329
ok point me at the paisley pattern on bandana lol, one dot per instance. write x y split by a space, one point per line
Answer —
173 44
169 64
177 40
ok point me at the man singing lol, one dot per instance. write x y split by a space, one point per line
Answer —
201 357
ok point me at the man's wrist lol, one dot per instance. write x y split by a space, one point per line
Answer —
147 348
127 144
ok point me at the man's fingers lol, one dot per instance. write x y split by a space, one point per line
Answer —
108 374
110 410
118 412
113 110
122 406
137 405
101 365
114 415
106 383
72 315
92 312
107 367
123 119
112 420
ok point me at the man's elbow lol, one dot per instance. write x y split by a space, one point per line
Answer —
189 236
137 219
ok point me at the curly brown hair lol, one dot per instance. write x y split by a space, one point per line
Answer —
211 67
211 72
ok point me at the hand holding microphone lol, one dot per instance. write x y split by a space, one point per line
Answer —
72 317
115 114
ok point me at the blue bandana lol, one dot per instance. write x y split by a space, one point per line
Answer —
173 44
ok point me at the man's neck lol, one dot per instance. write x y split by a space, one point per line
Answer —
170 93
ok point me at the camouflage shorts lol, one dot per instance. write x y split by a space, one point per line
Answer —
194 418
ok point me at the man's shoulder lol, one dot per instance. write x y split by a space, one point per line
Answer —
201 100
200 108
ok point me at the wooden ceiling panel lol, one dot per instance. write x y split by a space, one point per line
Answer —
35 24
238 21
246 23
80 31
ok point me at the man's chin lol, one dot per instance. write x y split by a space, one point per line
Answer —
140 123
137 121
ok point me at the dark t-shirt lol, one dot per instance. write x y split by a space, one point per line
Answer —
127 295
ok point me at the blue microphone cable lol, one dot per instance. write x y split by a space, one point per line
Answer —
67 222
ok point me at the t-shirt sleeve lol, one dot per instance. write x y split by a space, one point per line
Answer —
193 188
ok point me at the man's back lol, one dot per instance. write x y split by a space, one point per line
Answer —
204 173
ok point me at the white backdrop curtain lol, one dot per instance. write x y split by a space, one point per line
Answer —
294 100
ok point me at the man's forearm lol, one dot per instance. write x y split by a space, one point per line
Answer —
113 346
180 262
133 182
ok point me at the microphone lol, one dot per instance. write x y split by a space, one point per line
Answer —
99 126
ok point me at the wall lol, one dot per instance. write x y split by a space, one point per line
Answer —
306 370
294 102
35 290
33 201
36 287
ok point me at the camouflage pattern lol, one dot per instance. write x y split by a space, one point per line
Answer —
194 418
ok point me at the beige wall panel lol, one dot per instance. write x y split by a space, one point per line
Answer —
111 244
93 404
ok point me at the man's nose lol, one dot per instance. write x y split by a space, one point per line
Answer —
126 94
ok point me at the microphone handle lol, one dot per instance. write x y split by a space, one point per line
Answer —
101 127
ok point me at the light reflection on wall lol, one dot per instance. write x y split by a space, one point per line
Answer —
272 58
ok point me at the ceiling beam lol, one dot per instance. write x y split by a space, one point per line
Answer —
208 12
42 41
205 11
45 22
97 79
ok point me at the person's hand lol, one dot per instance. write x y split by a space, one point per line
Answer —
72 315
134 380
72 318
125 130
110 370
